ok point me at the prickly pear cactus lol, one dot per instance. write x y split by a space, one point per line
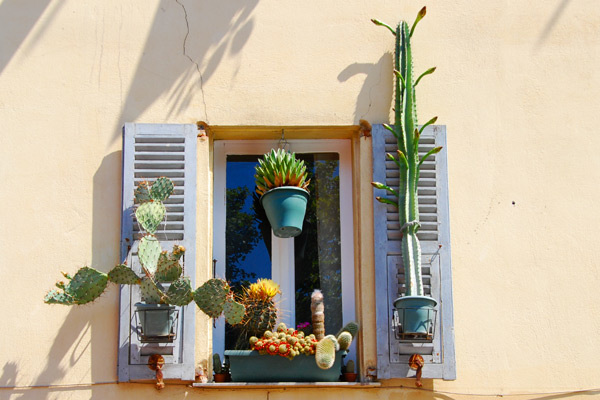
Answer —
152 292
168 267
161 189
211 297
150 214
234 312
180 292
85 286
148 253
123 275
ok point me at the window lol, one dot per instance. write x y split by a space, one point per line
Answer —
321 257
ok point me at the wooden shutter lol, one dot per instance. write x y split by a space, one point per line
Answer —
392 355
151 151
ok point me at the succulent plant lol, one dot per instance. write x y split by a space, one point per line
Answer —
407 133
280 168
318 314
285 342
325 354
345 340
158 267
350 368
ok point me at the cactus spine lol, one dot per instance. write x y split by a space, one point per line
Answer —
260 310
407 133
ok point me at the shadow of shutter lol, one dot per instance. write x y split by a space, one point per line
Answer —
434 235
151 151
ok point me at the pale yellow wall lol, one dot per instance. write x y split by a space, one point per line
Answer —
517 87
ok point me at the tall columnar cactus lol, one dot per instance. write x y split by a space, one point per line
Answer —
317 308
407 133
158 267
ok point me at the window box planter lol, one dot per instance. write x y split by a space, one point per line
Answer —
250 366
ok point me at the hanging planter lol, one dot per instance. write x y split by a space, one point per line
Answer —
156 322
285 208
282 182
414 318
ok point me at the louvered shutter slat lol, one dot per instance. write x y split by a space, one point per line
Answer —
434 236
151 151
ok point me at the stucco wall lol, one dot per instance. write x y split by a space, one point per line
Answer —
516 87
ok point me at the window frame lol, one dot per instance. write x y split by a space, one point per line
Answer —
343 147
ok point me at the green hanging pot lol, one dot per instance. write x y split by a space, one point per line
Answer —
416 315
285 208
157 321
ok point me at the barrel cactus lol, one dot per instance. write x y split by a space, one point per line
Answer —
158 267
260 310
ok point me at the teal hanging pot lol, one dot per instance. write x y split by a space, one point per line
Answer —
285 208
414 317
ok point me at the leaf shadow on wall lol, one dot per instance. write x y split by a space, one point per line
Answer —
185 45
375 97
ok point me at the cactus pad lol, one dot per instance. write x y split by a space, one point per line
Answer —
234 311
123 275
161 189
85 286
58 297
150 214
142 193
152 292
168 268
325 353
180 292
345 340
211 297
148 252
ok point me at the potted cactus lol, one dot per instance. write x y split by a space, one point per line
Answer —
348 373
221 370
282 182
162 284
284 354
414 310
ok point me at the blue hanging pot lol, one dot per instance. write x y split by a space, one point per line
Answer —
416 315
285 208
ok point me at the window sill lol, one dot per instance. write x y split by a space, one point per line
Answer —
287 385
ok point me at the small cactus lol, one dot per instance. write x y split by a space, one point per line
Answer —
351 327
350 367
345 340
318 314
217 366
325 352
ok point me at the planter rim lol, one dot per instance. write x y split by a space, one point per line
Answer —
154 305
282 188
426 298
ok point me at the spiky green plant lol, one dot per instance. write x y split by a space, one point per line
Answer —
260 311
407 133
158 267
280 168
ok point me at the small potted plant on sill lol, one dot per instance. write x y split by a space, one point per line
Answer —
349 374
414 310
162 284
221 370
281 181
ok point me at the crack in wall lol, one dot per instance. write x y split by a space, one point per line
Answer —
187 24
